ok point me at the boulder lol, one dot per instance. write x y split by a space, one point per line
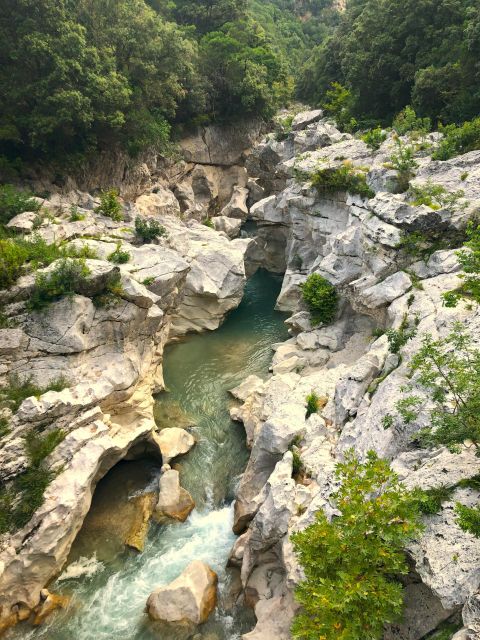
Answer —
161 202
229 226
23 222
189 598
237 207
304 118
174 502
173 442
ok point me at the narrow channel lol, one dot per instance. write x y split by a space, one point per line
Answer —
108 583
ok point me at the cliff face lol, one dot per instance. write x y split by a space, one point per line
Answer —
358 245
109 355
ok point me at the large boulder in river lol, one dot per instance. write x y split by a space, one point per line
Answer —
174 502
190 598
173 442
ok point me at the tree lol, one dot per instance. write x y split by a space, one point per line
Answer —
209 15
449 371
321 298
350 591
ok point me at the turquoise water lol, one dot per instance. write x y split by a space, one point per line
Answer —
109 584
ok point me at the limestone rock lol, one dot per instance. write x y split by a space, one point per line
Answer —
161 202
220 144
23 222
174 502
304 118
49 603
144 504
229 226
173 442
237 207
190 597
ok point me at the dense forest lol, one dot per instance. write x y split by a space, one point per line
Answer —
95 73
390 54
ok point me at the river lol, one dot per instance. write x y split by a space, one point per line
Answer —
109 584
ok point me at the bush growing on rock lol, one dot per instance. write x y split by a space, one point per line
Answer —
17 389
119 256
68 276
407 122
374 138
469 259
404 163
110 205
321 298
435 196
148 229
349 591
13 202
344 178
458 140
449 371
468 518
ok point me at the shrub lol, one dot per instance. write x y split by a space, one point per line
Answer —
208 223
112 293
119 256
4 427
398 338
283 127
110 205
404 163
449 371
148 229
469 259
13 202
435 196
349 591
19 255
297 465
344 178
338 104
17 390
321 298
374 138
458 140
19 502
67 278
468 518
75 215
430 500
406 121
313 403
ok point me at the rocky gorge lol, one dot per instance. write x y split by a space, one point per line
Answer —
188 280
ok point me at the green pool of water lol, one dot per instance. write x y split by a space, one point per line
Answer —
109 584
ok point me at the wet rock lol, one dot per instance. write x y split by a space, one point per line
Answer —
174 502
144 506
191 597
173 442
49 603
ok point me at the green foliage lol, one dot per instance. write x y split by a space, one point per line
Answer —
24 496
148 281
338 104
119 256
374 138
430 500
398 338
148 229
208 223
4 427
349 592
112 292
18 389
68 277
403 161
449 371
297 465
458 140
468 518
313 402
13 202
283 127
344 178
321 298
110 205
435 196
469 259
407 122
388 421
390 54
75 215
